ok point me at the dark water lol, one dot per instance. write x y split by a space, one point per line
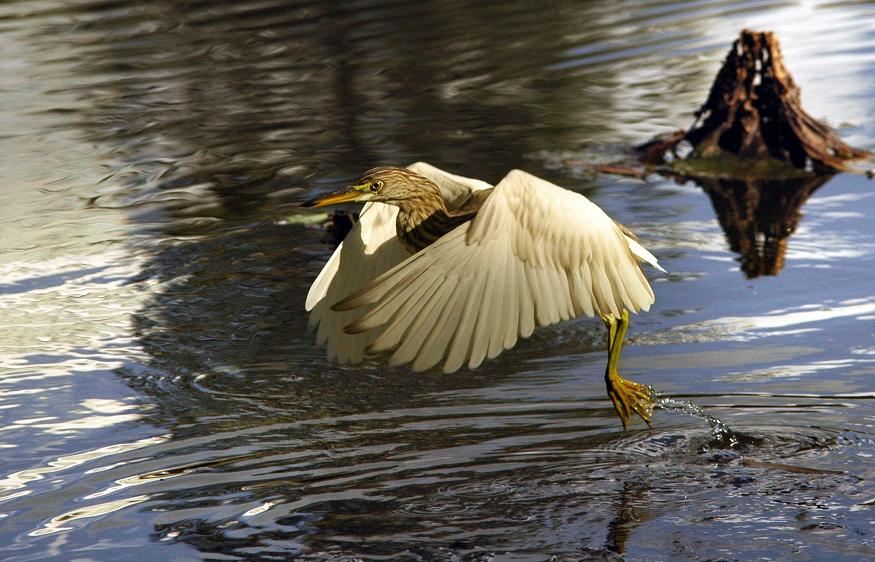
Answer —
161 399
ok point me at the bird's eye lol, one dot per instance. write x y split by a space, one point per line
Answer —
377 185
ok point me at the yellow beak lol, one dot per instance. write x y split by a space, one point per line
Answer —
343 196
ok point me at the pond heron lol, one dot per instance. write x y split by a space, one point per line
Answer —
446 268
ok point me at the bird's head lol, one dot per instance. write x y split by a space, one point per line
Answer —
384 184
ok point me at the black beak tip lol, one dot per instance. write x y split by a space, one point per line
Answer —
310 203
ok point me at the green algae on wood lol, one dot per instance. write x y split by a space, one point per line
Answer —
725 165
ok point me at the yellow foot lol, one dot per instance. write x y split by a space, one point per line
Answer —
628 397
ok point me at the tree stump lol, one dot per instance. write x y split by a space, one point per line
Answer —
754 111
755 152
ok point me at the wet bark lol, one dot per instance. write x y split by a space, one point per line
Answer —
754 111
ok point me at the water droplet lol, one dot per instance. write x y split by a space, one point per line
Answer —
719 429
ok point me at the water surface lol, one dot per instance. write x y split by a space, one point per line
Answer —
161 398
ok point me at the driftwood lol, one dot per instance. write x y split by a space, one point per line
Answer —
754 111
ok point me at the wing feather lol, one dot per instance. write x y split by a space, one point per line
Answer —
412 341
511 306
526 314
586 289
388 306
461 346
395 331
499 305
433 348
480 343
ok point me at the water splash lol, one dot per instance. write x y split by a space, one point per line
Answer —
722 433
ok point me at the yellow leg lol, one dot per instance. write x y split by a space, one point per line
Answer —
627 396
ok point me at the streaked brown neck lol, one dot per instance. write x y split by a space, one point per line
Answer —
422 218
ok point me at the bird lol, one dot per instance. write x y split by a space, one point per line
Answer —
445 268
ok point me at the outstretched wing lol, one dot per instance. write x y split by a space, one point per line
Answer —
370 249
535 254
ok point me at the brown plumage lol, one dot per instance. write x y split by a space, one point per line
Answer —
423 216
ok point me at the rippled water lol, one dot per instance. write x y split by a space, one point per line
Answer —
160 397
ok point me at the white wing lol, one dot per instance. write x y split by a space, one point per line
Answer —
454 189
370 249
535 254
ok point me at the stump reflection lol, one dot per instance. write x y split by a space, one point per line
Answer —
758 217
